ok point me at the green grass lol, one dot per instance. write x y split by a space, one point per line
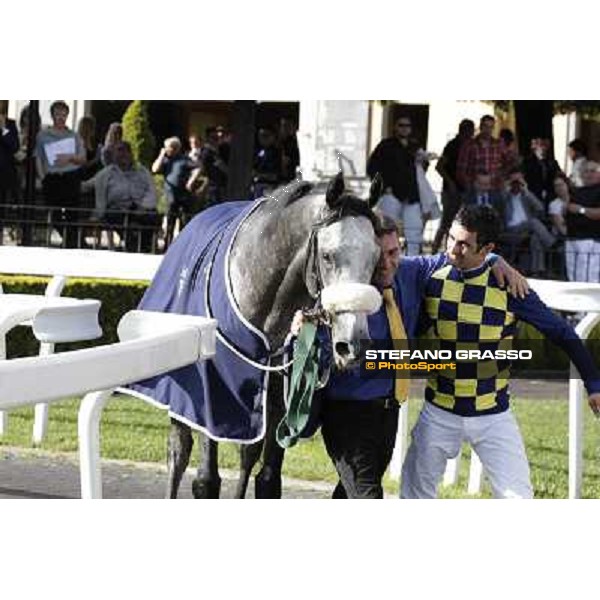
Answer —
136 431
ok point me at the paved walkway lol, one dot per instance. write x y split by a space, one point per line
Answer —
36 474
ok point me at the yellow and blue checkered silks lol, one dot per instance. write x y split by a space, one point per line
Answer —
468 310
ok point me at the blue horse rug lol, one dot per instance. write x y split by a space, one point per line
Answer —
223 396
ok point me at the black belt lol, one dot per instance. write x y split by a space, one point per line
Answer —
382 401
386 402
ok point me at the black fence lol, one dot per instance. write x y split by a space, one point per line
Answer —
54 226
144 231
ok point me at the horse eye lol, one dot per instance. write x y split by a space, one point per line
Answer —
328 257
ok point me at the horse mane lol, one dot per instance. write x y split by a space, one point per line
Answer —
290 192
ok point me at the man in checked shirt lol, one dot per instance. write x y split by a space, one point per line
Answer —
483 153
464 303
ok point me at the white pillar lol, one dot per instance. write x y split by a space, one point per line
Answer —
376 131
475 474
3 413
331 130
79 108
307 138
451 472
401 443
89 417
40 420
576 408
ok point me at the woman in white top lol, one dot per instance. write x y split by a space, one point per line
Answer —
578 154
557 208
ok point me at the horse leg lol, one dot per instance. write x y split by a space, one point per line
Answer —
179 448
267 483
249 456
207 484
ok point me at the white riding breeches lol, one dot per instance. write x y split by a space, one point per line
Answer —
438 437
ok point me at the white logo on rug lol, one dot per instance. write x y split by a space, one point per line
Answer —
183 275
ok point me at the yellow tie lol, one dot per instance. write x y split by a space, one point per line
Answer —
400 342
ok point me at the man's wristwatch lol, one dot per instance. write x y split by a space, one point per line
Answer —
582 210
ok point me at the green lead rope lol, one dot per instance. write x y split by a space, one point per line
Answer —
303 381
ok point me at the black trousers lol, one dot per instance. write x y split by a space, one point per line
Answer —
180 207
451 204
63 190
359 436
137 228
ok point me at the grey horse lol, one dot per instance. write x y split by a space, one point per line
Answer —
294 245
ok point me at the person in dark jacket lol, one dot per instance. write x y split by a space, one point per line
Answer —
395 158
540 170
9 145
267 163
214 158
452 190
290 153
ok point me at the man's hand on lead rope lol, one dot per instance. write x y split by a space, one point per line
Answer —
297 322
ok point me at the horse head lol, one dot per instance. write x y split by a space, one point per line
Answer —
341 258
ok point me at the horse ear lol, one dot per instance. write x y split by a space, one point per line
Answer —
376 190
334 190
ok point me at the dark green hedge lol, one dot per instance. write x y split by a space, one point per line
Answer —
117 298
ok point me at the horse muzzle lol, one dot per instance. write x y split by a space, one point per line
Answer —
350 297
349 304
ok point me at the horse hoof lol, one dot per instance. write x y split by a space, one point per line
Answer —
267 489
205 489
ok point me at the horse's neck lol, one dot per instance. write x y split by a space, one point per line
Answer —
267 265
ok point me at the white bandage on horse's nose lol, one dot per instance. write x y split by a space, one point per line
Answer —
351 297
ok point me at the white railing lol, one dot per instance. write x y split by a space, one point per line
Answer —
151 343
559 295
53 319
100 264
59 264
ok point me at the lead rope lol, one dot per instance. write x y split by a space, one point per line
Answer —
304 380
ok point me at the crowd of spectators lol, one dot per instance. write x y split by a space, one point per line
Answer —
551 219
551 226
85 186
550 223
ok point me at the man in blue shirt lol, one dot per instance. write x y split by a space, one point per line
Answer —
464 303
360 414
